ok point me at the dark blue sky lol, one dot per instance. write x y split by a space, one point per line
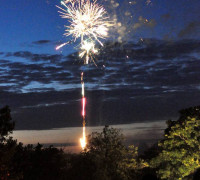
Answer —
147 71
28 21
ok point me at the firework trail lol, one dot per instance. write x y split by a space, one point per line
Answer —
83 139
88 22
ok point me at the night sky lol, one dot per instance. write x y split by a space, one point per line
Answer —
147 70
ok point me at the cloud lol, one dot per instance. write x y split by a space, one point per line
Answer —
41 42
35 57
160 77
148 63
191 29
165 17
61 109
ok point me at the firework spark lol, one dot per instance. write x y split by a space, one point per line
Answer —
87 50
87 20
61 45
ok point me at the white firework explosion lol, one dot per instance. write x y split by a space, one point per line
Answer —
88 20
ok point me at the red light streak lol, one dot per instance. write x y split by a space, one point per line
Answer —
83 106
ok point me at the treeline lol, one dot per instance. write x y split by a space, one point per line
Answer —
176 156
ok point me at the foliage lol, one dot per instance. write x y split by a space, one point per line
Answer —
184 114
7 146
44 163
28 162
79 167
180 150
6 126
112 159
7 151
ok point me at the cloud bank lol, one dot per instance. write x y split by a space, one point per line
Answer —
134 82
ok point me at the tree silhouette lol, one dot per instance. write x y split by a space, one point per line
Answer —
6 124
112 159
105 158
7 146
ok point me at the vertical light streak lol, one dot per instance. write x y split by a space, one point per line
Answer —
83 139
83 106
83 92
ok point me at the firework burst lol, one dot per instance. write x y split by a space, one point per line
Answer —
88 21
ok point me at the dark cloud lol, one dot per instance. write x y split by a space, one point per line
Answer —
165 17
36 57
150 62
151 49
191 29
3 61
123 106
41 42
133 82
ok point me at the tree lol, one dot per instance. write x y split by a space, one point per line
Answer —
43 163
184 114
111 158
179 156
27 162
6 124
7 146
